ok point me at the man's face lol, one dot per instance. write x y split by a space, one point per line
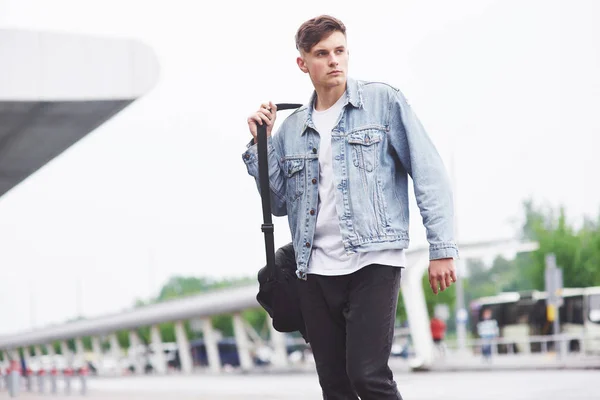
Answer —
327 61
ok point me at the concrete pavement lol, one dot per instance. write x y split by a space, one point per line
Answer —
470 385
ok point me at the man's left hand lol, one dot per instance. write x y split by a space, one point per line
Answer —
441 274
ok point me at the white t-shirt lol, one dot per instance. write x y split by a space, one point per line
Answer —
328 256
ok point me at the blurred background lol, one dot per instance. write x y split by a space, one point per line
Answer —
130 229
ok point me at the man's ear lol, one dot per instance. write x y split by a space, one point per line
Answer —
301 64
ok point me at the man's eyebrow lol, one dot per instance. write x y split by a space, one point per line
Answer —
316 50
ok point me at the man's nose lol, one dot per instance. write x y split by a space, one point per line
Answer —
333 60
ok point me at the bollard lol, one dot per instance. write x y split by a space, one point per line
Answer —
68 373
14 382
83 373
53 377
28 384
6 378
41 378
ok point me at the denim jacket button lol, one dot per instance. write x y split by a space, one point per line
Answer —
307 244
314 150
314 180
312 212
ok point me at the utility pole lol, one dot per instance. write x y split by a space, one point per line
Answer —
79 297
31 305
151 273
553 278
461 312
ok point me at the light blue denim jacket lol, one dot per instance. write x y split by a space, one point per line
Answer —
377 143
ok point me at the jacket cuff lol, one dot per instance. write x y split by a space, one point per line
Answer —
443 250
251 154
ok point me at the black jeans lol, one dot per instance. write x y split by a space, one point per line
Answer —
350 324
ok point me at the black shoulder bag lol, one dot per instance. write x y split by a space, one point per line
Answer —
278 293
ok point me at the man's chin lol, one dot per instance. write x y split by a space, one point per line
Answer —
337 80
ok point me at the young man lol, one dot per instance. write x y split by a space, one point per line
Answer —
339 169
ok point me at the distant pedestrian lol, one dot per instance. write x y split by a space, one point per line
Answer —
487 329
438 332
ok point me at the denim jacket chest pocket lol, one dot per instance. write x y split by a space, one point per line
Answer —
295 177
364 146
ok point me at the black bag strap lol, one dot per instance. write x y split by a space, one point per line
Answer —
265 193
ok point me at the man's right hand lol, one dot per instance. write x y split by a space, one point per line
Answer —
266 114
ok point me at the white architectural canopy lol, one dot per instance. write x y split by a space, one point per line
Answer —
55 88
226 301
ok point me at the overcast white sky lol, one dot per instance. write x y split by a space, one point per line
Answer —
510 87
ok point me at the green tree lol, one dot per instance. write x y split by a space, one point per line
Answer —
577 251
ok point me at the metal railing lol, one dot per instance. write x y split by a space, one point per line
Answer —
564 343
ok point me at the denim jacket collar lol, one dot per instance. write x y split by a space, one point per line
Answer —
353 96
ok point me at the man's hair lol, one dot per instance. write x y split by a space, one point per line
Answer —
316 29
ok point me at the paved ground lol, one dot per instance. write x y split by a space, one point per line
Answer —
470 385
464 363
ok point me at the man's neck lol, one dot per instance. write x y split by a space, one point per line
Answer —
326 97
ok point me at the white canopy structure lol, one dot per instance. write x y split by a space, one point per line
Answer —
55 88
